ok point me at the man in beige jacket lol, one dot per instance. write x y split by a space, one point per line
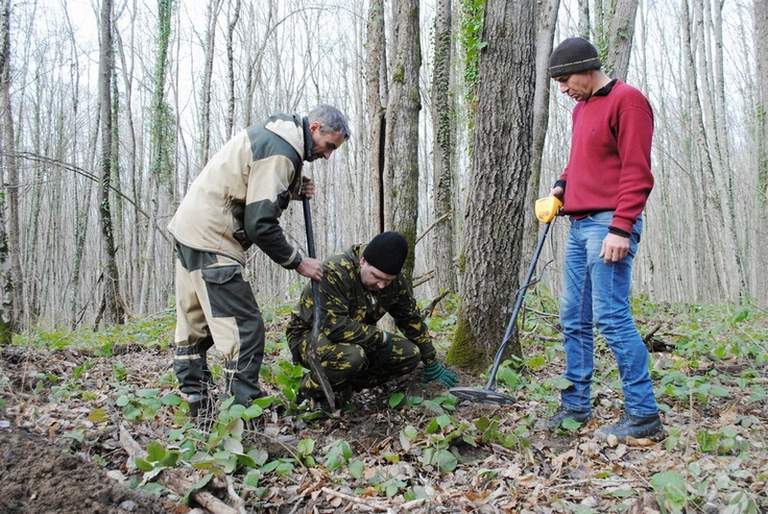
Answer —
235 202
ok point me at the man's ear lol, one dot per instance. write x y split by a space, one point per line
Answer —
314 125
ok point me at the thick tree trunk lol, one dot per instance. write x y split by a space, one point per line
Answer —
621 32
401 159
500 170
443 131
376 80
111 302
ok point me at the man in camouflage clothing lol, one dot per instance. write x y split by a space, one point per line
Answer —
358 287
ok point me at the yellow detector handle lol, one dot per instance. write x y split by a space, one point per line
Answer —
547 208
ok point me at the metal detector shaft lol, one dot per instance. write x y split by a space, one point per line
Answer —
314 364
490 385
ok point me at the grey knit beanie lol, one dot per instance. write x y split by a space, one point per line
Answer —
573 55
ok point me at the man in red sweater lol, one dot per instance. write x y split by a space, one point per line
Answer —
604 188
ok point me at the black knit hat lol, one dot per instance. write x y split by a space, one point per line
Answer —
573 55
387 252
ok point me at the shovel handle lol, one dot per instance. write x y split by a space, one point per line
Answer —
314 363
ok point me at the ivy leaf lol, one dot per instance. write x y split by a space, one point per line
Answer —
259 456
171 399
396 399
254 411
252 478
264 402
142 464
155 451
306 446
356 469
570 424
561 383
446 461
443 420
670 488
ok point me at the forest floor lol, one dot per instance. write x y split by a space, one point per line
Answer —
65 398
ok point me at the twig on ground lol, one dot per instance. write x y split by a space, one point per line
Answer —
413 504
237 501
354 499
534 335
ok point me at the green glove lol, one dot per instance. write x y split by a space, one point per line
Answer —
436 370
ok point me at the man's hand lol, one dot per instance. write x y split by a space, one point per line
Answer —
310 268
557 191
436 370
307 188
615 248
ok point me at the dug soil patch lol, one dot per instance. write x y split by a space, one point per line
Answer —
36 477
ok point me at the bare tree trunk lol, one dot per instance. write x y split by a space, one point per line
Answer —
8 308
546 20
11 166
205 89
584 26
443 130
376 78
760 37
230 68
132 253
621 32
500 170
724 264
401 158
112 303
161 131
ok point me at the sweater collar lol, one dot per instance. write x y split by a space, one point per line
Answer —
606 89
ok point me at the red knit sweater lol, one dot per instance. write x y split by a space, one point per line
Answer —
610 163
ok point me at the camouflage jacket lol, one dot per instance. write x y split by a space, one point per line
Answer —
349 312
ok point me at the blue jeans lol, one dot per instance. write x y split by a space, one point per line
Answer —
596 294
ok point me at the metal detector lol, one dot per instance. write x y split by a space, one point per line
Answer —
488 394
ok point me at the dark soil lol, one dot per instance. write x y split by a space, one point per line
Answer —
37 477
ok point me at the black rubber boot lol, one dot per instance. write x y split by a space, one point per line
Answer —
564 413
635 427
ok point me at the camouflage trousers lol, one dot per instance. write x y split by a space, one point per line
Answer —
215 306
352 367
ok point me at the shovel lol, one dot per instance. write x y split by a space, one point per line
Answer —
546 210
314 364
